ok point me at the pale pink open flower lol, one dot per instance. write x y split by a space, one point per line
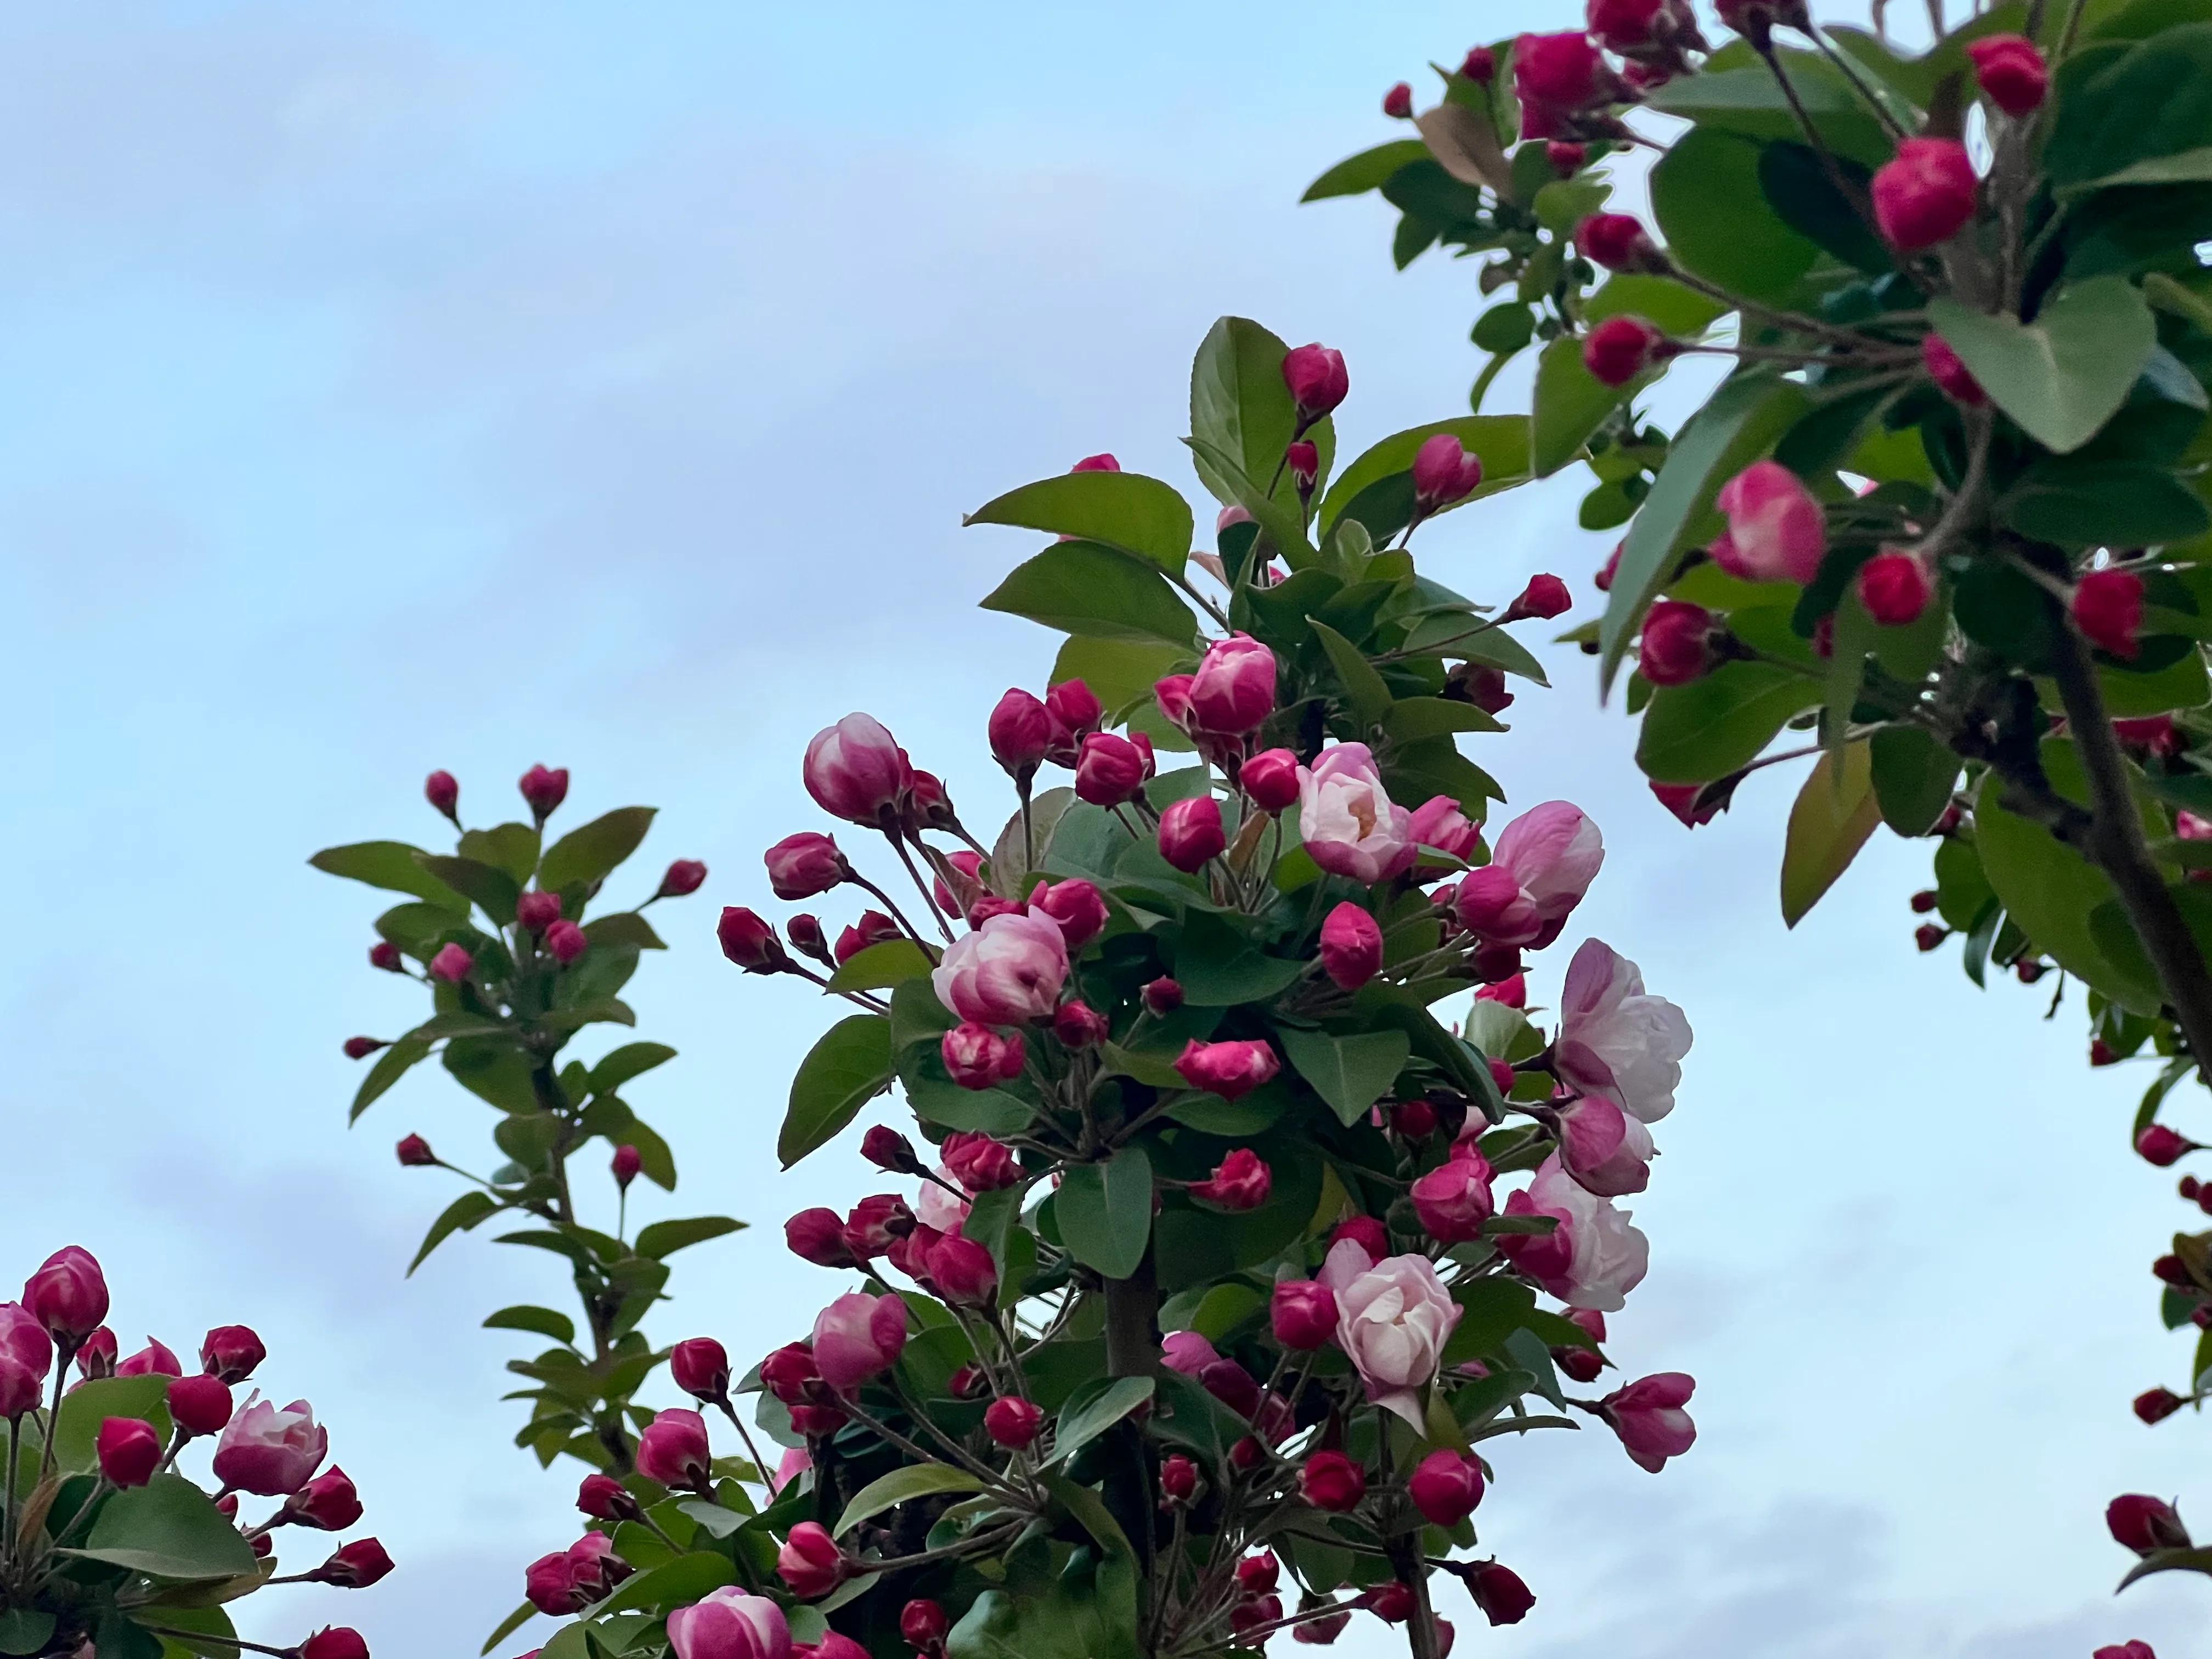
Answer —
1594 1258
728 1624
1616 1040
1544 862
270 1452
1009 970
1350 824
1393 1318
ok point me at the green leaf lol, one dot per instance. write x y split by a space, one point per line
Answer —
2062 376
1087 587
631 1059
672 1584
2152 104
1707 729
483 884
1737 424
879 967
1706 197
587 854
25 1630
1105 1212
1355 175
1914 773
1659 299
1087 1610
1796 183
1241 407
1570 404
1094 1407
1364 686
1219 968
1350 1072
509 846
1281 522
167 1529
1748 102
1835 812
623 928
86 1406
462 1214
543 1321
514 1622
391 1065
1501 441
665 1238
1125 510
848 1068
2102 504
391 865
903 1485
1410 720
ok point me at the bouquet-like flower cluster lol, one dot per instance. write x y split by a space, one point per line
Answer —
108 1545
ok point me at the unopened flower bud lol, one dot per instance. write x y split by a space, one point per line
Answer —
1178 1478
201 1404
1270 780
1949 372
818 1235
750 941
2162 1146
1618 242
923 1624
2013 73
328 1503
1544 597
355 1566
2108 608
1925 195
605 1498
1894 587
537 911
567 942
977 1057
683 877
1240 1182
1075 705
701 1367
625 1166
804 864
1316 375
1022 733
1929 937
1445 470
1351 947
543 788
1331 1481
1013 1423
674 1449
68 1294
1676 647
1479 66
1078 1024
2156 1405
887 1149
232 1352
2143 1524
361 1048
1302 461
1303 1314
129 1450
1162 996
1109 770
452 964
1445 1487
385 955
444 793
415 1153
1398 102
1231 1070
980 1163
1620 349
1191 832
809 1563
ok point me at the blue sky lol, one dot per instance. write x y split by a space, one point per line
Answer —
421 385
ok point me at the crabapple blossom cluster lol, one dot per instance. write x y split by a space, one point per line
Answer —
109 1544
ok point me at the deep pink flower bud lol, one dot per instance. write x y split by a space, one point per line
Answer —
543 788
1271 779
1233 691
1454 1199
549 1584
2013 73
2108 608
385 955
567 942
270 1452
980 1163
68 1294
536 911
874 927
1577 1364
1075 705
361 1048
1259 1574
605 1498
1013 1423
1178 1478
1241 1181
1329 1480
155 1360
1620 349
2162 1146
1076 905
1566 160
1162 996
2156 1405
1618 242
94 1359
1778 531
2143 1523
1648 1416
1078 1024
1606 1151
1301 460
355 1566
750 941
1099 463
701 1367
683 877
130 1451
1414 1119
875 1222
1544 597
328 1503
801 866
809 1564
1949 372
1022 734
1677 643
855 770
443 792
1926 195
1172 693
200 1403
2124 1650
232 1352
1479 66
977 1057
1438 822
452 964
674 1449
1445 470
1191 832
1894 587
963 1271
1445 1487
625 1166
1109 770
922 1623
1498 1591
1398 102
1231 1070
1622 25
887 1149
858 1337
415 1153
1315 375
1351 947
790 1373
1366 1231
1490 904
1303 1313
334 1642
1563 70
817 1235
1322 1630
1929 937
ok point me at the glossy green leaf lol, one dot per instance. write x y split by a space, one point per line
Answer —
1105 1212
1749 103
2082 504
167 1529
391 1065
1281 521
1707 729
665 1238
1125 510
1363 685
1570 404
25 1630
1351 1072
542 1322
880 966
462 1213
850 1064
1501 441
590 853
1679 310
1088 587
2062 376
672 1584
391 865
1241 406
489 888
513 847
1355 175
632 1060
904 1485
1094 1407
1835 812
2148 106
1219 967
514 1622
1914 773
88 1405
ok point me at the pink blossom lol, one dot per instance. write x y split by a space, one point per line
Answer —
1648 1416
1616 1042
1393 1317
1776 531
270 1452
1009 970
1594 1259
1603 1147
856 1337
728 1624
1350 824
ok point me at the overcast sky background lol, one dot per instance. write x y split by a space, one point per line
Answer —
417 385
